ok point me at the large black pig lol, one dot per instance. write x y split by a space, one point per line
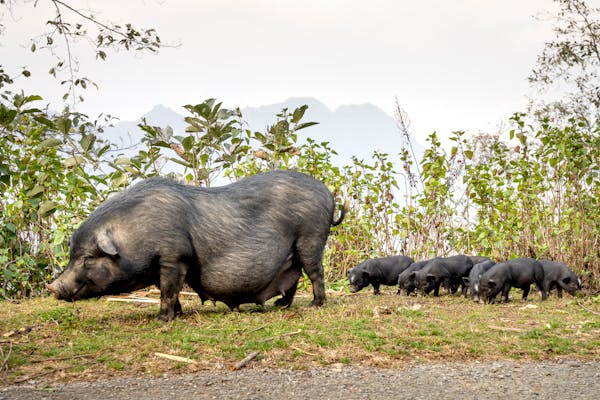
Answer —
448 271
519 272
241 243
558 275
377 272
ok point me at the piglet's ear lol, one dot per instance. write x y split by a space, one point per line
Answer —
491 283
106 244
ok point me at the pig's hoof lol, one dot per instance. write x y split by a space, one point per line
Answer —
165 317
316 303
283 302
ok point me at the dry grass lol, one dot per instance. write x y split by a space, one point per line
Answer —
100 339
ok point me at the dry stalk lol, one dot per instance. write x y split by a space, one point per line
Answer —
4 365
587 309
245 361
282 335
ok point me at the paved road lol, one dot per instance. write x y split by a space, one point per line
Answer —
491 380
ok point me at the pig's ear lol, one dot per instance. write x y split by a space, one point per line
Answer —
430 277
106 244
492 283
365 274
466 280
567 280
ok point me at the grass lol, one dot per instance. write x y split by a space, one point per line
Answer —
97 339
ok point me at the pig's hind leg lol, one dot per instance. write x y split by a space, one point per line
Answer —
311 257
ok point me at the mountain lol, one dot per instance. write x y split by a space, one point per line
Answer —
128 135
352 130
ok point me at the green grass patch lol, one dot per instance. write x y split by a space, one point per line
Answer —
102 339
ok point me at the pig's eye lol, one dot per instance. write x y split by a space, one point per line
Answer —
85 261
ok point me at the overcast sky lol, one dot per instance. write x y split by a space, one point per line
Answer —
453 65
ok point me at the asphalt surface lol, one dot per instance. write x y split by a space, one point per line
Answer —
564 379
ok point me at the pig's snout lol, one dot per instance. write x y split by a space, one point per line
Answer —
52 288
58 291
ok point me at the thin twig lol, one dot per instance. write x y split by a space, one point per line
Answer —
62 358
28 378
245 361
587 309
505 328
303 351
133 300
4 366
69 56
258 329
92 20
176 358
282 335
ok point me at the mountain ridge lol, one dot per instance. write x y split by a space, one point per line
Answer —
351 130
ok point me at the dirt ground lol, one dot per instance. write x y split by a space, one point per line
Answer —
485 380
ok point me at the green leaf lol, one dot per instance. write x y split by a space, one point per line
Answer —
262 138
305 125
6 115
87 141
35 191
51 142
59 238
64 125
119 180
73 161
299 113
47 207
32 98
44 121
201 109
123 161
188 143
469 154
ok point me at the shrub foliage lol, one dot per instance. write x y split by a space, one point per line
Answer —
532 193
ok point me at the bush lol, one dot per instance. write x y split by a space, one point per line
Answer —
534 195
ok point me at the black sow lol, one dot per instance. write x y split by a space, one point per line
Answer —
242 243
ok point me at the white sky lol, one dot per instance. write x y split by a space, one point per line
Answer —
454 65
